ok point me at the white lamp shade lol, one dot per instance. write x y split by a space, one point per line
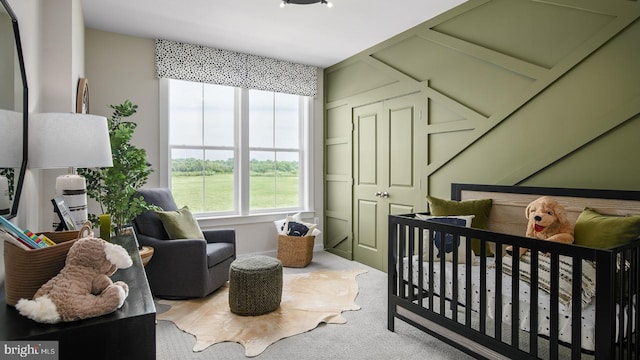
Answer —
59 140
10 139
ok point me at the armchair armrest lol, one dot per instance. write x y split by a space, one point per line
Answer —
193 253
220 236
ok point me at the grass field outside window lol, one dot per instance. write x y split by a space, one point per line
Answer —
214 193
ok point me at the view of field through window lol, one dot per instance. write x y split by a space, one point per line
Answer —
205 128
211 187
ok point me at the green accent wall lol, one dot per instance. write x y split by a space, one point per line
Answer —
518 92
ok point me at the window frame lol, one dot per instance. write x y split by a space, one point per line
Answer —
242 212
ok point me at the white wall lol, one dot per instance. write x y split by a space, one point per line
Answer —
122 67
61 68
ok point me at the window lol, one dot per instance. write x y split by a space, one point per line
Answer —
236 151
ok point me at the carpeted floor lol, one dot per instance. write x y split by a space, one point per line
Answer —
364 336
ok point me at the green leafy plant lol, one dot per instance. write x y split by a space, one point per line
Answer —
114 188
9 174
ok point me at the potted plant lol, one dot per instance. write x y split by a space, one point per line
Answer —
114 188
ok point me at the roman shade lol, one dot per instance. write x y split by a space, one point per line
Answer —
182 61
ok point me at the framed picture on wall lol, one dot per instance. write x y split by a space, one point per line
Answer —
66 219
82 101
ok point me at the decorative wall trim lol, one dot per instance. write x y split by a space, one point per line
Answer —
176 60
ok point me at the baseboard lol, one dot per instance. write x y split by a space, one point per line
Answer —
274 253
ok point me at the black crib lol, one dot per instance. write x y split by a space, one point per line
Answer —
413 298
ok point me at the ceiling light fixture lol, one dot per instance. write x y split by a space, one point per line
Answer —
305 2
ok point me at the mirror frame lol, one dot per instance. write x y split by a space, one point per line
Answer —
25 112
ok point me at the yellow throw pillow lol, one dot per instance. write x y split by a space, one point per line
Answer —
180 224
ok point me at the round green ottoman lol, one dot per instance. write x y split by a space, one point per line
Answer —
255 285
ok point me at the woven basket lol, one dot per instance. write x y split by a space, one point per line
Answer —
27 270
295 251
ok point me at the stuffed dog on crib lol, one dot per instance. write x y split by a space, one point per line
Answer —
547 221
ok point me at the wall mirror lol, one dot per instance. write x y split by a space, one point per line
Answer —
14 112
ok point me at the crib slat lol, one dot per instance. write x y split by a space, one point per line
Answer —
576 308
468 284
629 296
420 266
515 297
554 306
483 288
454 278
393 274
443 277
411 265
497 303
431 284
533 309
605 306
408 238
401 255
619 298
623 303
635 258
630 303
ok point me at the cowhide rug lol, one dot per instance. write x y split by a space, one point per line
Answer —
308 299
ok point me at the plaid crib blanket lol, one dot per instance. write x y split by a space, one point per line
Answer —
565 276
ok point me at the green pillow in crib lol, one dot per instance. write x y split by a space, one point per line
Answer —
600 231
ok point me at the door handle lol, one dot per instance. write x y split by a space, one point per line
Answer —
378 194
385 195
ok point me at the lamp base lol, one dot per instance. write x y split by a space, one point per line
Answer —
73 188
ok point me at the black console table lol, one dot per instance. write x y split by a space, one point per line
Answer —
127 333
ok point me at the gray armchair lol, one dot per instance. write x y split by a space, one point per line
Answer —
184 268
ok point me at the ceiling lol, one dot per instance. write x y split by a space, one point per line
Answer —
307 34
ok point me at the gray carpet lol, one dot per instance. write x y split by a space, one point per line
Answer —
364 336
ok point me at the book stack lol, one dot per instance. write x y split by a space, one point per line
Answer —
23 239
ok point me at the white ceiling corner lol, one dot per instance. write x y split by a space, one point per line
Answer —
307 34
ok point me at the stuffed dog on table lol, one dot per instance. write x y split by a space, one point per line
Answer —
82 289
547 221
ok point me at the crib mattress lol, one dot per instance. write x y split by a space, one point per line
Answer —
565 314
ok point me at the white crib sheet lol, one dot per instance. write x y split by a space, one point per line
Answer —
565 316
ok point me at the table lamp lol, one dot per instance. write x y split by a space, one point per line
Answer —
68 140
10 153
